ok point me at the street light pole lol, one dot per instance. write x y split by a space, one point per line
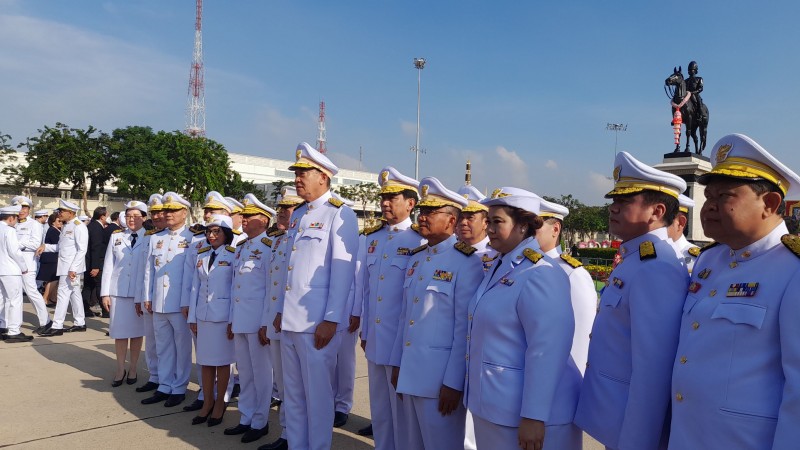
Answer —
616 128
419 63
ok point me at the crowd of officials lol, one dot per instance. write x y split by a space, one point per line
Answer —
478 332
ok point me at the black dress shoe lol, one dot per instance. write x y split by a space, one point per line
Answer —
76 329
238 429
130 381
212 421
275 402
197 420
366 431
280 444
236 390
52 332
147 387
174 400
22 337
3 330
157 397
194 406
118 383
43 328
339 419
254 434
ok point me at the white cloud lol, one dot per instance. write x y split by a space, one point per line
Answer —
550 164
600 183
409 128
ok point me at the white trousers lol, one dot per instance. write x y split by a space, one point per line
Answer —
277 372
174 348
255 379
344 379
469 433
383 405
556 437
308 388
11 290
150 352
424 427
36 299
69 294
199 371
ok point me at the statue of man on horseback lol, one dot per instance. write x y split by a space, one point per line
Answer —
687 107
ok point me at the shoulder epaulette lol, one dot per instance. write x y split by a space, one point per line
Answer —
275 233
118 230
230 248
267 241
203 250
695 251
708 246
237 232
464 248
372 229
647 250
532 254
240 243
23 220
77 222
792 242
419 249
570 260
335 202
197 229
151 232
415 227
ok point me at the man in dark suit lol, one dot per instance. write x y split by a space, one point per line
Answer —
98 241
113 226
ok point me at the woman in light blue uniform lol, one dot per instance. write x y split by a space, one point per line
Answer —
209 314
122 280
522 385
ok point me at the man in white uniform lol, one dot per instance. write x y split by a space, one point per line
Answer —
30 237
686 252
12 267
151 354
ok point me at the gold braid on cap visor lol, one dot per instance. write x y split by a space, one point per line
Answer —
393 187
216 205
435 201
253 209
632 186
747 168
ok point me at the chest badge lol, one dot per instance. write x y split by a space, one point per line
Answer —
160 244
294 222
618 283
742 290
372 245
704 274
316 225
442 275
506 281
694 286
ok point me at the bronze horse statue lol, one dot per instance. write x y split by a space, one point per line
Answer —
675 86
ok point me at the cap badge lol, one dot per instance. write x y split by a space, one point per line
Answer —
384 176
617 170
722 153
496 193
298 154
168 199
466 196
424 190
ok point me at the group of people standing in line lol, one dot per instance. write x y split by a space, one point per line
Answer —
478 331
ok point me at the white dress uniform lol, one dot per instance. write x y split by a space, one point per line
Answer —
344 376
250 280
165 266
122 279
518 365
12 264
321 268
736 374
686 252
431 342
210 305
71 248
150 352
30 237
584 304
278 262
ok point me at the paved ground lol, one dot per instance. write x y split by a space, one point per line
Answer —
56 393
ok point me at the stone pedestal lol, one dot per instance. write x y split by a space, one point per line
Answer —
690 166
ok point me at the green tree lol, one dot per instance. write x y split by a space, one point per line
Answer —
237 188
7 152
275 189
582 220
363 193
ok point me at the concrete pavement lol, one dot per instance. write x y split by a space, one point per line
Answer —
56 393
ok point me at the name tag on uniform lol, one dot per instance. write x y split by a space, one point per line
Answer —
67 233
223 263
183 244
403 251
442 275
742 290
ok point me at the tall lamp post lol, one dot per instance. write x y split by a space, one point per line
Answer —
419 63
616 128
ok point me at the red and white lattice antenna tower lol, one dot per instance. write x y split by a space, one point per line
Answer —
321 138
196 107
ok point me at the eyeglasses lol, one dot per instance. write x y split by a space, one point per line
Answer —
134 216
209 232
431 212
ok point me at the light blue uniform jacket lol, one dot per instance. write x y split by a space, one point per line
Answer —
736 378
250 283
520 334
166 263
210 295
625 395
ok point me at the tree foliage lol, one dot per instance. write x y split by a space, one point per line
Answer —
583 220
7 152
363 193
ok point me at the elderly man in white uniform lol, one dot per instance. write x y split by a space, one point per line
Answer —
30 235
429 349
71 250
12 267
686 252
324 238
122 281
582 292
270 326
165 266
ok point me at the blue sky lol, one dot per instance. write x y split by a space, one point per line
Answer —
523 89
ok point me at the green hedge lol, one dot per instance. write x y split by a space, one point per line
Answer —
600 253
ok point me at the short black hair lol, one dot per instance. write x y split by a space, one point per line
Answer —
114 216
552 220
6 216
99 212
408 193
670 203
